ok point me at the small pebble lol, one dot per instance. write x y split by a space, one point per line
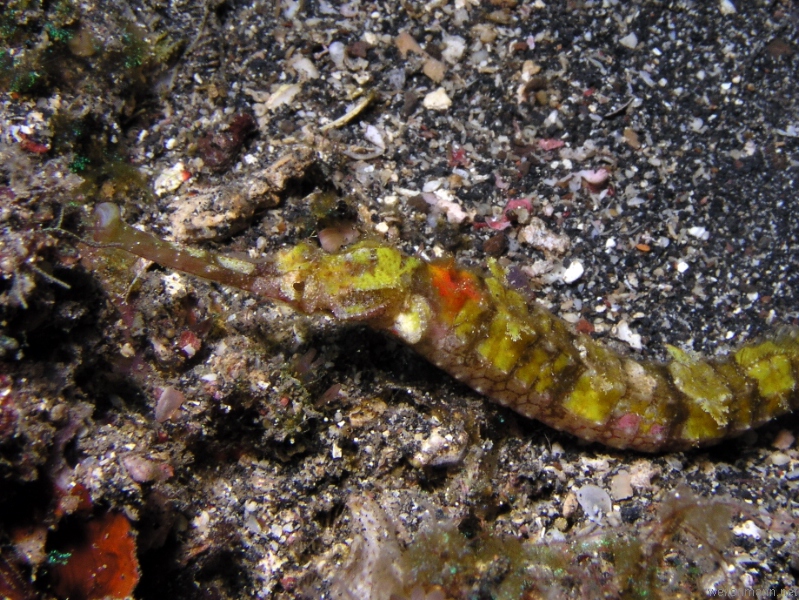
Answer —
594 501
573 272
779 459
748 529
727 8
623 332
437 100
621 485
496 245
784 440
168 404
629 41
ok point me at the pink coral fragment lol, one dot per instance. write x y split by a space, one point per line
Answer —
500 183
597 177
515 203
168 404
550 144
503 222
189 343
144 470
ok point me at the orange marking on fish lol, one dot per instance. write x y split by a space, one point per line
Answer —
455 287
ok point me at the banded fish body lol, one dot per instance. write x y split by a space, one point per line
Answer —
482 332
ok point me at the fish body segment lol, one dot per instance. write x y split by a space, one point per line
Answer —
482 332
486 335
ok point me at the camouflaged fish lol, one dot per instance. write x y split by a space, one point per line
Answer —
485 334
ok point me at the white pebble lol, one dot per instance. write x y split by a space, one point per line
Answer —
629 41
623 332
749 529
304 67
594 501
437 100
283 94
727 8
336 52
292 7
454 47
335 452
574 272
432 185
373 134
780 459
170 179
553 119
